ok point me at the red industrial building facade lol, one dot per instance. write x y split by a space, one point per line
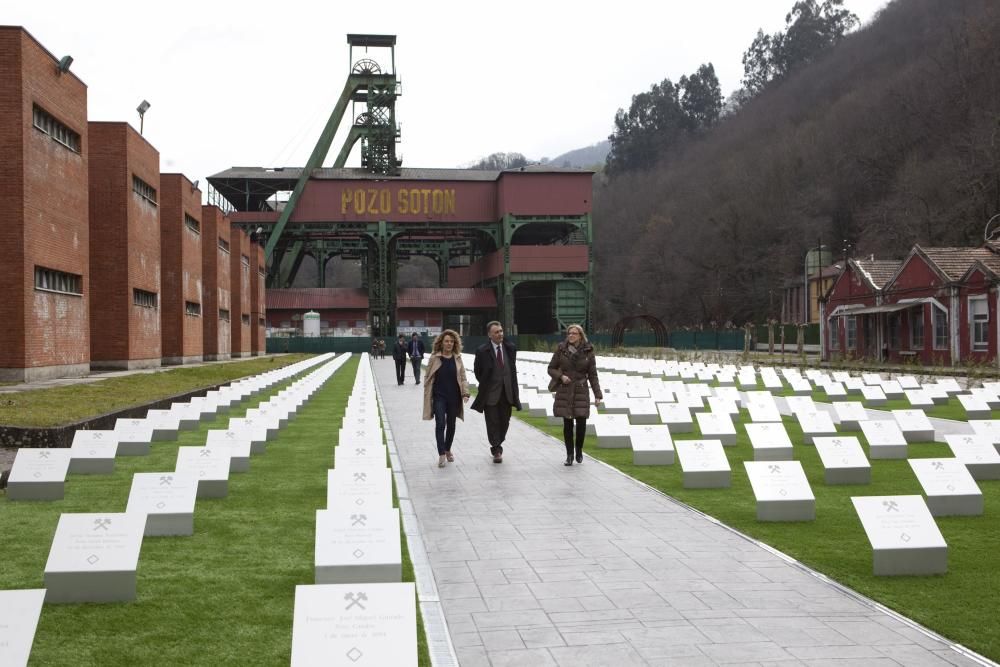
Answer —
104 258
938 306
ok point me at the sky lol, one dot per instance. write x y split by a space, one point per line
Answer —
253 83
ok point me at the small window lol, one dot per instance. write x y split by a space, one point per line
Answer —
144 189
44 121
940 328
834 333
979 318
141 297
360 324
192 308
192 224
223 245
895 331
917 328
245 261
51 280
342 324
851 325
223 314
261 321
246 320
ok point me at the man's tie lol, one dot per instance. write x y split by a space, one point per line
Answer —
499 358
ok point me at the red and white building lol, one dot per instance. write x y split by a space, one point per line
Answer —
938 306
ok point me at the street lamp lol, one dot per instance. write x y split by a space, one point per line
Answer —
142 109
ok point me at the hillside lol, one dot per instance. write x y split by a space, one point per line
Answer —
588 157
889 139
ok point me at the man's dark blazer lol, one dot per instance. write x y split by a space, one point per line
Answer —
484 367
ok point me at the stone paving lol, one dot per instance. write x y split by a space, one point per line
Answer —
541 564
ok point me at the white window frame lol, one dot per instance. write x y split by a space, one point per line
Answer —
939 311
913 327
834 333
851 332
974 344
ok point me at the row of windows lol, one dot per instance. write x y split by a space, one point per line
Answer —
58 281
44 121
144 189
192 224
145 299
978 318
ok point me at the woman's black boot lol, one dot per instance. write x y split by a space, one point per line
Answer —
579 454
569 456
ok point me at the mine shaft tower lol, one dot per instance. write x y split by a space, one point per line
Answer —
380 234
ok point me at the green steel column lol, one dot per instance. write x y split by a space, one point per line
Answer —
506 285
589 280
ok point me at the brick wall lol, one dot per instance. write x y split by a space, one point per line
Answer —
180 270
258 340
124 248
43 194
216 259
239 275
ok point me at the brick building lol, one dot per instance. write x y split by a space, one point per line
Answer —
180 270
124 248
239 276
215 268
343 311
44 278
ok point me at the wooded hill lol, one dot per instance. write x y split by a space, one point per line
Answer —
889 138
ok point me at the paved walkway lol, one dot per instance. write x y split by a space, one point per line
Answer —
540 564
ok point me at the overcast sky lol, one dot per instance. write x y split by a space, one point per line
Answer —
252 83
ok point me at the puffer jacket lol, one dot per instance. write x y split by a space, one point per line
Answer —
573 400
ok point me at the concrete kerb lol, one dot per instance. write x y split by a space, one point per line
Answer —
868 602
439 644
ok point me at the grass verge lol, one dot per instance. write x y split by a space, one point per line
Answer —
223 596
956 605
54 406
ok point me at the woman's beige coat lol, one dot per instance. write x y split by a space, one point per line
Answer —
431 374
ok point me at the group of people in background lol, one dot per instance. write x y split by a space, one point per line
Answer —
572 369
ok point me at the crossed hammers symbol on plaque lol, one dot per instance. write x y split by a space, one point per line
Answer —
890 505
101 524
166 479
355 600
360 451
774 468
360 476
358 519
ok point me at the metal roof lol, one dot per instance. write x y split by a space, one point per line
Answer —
315 298
371 40
446 297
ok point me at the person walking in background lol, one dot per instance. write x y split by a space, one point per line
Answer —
415 351
572 368
399 356
496 372
445 390
381 348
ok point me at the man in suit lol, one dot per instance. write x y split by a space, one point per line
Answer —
399 356
496 372
415 350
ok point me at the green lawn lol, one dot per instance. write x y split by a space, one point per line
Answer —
223 596
962 604
65 405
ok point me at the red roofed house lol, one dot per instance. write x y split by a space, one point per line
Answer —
935 307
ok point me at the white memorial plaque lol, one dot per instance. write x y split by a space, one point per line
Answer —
93 558
652 445
873 395
357 546
843 460
782 491
167 499
762 408
885 439
237 443
256 430
610 430
93 452
798 404
676 416
949 486
919 398
835 391
717 426
358 488
977 453
975 407
368 625
358 435
850 414
643 411
210 465
704 464
769 441
800 386
950 385
38 474
915 425
817 423
871 379
168 422
360 455
892 389
937 394
987 427
904 537
853 385
723 405
908 382
139 430
19 612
